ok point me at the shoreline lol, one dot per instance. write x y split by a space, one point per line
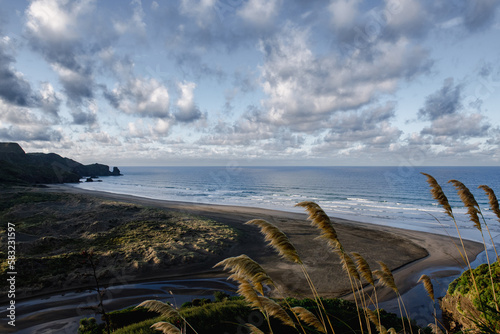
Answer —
407 253
440 252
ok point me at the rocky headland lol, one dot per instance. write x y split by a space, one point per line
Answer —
19 167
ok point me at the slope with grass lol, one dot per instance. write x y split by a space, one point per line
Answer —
52 229
463 308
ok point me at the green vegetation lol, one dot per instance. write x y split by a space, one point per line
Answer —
483 302
53 229
231 316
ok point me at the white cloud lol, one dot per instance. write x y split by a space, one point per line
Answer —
260 13
50 99
459 126
135 24
161 127
305 89
343 13
56 20
201 10
188 111
143 97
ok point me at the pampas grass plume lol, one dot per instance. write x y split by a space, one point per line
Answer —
275 310
427 285
244 267
164 309
308 317
166 328
363 268
347 264
319 219
277 239
469 202
253 329
385 276
438 194
492 199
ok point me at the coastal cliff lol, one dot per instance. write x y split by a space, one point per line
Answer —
19 167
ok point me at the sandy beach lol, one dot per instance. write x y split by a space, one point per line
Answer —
408 253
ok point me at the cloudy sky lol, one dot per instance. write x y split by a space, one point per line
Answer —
279 82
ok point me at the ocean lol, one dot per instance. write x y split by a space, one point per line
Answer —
391 196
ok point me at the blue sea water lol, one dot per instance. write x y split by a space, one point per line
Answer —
393 196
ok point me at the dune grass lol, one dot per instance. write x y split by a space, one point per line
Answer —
52 229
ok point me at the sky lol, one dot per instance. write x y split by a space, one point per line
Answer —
233 82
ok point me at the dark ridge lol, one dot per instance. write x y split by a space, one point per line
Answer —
19 167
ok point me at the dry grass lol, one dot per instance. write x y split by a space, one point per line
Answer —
308 317
130 239
469 202
166 328
363 268
277 239
492 198
253 329
275 310
427 285
320 219
244 267
164 309
438 194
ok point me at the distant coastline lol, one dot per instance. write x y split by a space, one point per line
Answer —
20 168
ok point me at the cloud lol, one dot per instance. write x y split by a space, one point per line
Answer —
260 13
135 24
121 67
445 101
188 111
449 120
457 126
78 84
81 117
30 133
370 128
14 88
304 89
162 127
68 34
479 13
142 97
102 138
50 100
343 13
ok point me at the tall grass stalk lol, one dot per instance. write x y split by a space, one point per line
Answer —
244 268
438 194
426 281
364 269
280 242
473 210
320 220
165 310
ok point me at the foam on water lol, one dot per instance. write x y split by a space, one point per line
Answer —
378 195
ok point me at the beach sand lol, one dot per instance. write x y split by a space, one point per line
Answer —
408 253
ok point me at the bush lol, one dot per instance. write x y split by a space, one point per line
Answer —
90 326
